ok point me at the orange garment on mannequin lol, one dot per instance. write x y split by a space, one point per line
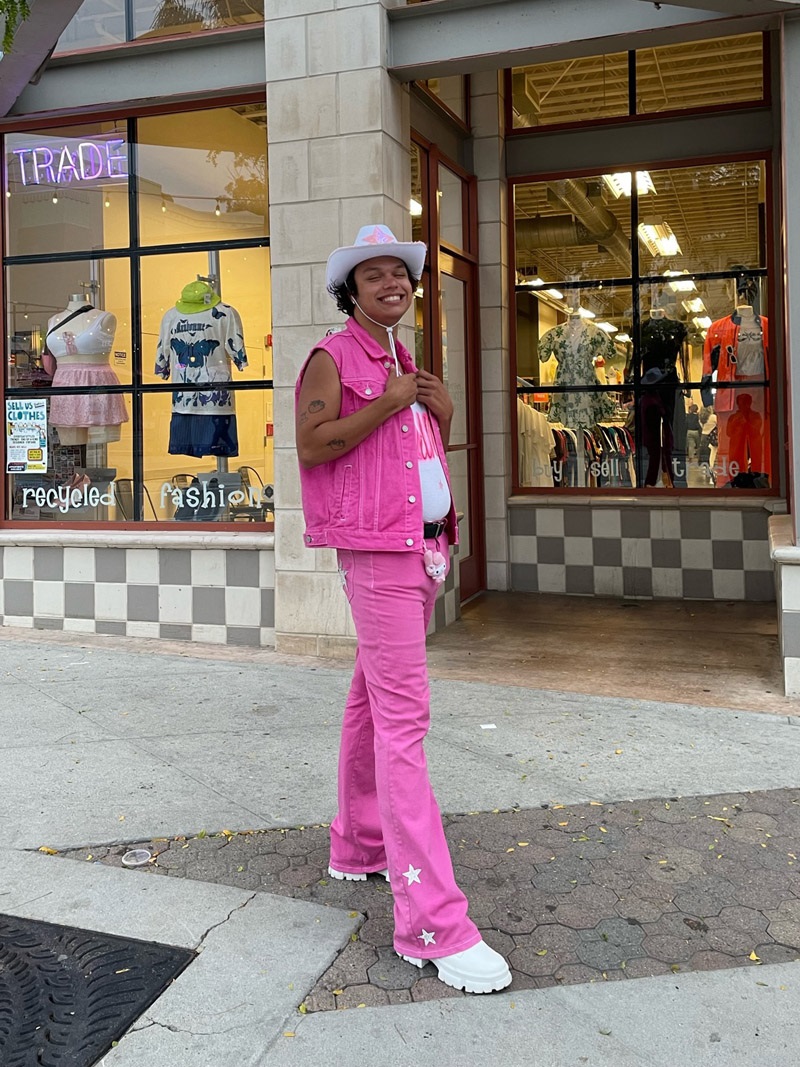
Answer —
737 436
745 430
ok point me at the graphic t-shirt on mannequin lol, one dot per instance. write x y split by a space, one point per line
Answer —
199 340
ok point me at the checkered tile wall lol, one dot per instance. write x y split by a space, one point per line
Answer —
221 596
693 553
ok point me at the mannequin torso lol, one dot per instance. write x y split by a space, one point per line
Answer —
86 338
81 345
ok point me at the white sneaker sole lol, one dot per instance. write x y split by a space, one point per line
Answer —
346 876
489 984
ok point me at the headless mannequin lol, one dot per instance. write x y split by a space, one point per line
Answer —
200 337
84 341
661 348
742 431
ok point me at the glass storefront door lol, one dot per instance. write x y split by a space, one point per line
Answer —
456 287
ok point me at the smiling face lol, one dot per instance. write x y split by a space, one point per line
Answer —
383 290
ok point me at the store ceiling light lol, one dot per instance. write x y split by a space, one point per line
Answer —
683 283
537 282
702 322
415 208
585 313
695 306
609 327
658 238
620 184
624 337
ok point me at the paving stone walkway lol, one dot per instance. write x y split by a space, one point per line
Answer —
578 893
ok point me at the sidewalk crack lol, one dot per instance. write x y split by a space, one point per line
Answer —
239 907
179 1030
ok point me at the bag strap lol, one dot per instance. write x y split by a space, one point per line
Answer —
72 315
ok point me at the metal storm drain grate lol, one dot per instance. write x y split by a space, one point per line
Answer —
67 994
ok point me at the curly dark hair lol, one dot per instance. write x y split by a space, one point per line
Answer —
343 294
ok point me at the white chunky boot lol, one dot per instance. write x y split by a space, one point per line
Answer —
476 970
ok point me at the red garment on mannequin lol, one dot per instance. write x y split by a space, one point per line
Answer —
745 430
720 353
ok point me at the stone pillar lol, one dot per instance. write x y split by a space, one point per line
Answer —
338 134
488 123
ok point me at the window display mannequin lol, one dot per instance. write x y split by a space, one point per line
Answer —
737 348
80 339
199 339
662 341
576 345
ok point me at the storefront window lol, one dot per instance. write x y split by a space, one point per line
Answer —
700 74
203 178
572 226
660 380
570 90
451 208
694 75
67 188
100 23
417 201
135 374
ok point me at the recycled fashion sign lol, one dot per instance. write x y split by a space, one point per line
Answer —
26 436
68 161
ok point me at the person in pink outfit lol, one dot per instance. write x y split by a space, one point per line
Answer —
372 432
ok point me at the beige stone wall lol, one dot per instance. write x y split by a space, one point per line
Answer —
338 132
488 124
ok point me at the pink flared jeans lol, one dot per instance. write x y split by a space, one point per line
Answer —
388 815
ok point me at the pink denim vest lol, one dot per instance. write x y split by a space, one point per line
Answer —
370 498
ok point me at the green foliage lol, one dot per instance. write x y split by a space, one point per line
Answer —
13 11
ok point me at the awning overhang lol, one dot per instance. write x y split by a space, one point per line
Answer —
35 39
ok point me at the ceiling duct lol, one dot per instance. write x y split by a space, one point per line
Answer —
589 223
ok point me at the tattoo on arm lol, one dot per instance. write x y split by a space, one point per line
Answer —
336 445
303 417
315 406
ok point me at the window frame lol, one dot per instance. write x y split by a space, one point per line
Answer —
147 42
637 284
634 117
133 253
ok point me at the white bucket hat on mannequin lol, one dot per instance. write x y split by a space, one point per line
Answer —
373 241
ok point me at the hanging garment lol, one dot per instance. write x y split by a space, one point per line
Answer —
576 345
535 446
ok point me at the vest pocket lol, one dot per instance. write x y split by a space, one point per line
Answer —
345 490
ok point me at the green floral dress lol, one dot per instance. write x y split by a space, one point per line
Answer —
576 345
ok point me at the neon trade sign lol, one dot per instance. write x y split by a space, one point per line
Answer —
70 162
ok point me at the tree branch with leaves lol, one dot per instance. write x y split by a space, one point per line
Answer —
14 12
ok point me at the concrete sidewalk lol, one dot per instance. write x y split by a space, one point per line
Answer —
123 741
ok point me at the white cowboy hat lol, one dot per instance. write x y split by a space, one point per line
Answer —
373 241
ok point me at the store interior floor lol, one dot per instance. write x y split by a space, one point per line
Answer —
717 653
